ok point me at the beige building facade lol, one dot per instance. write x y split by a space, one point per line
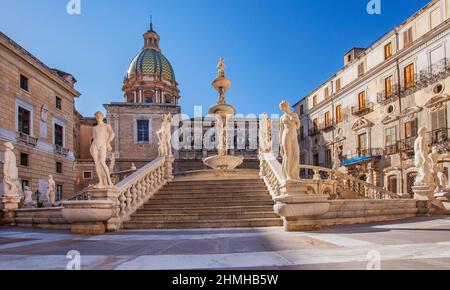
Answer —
37 117
369 112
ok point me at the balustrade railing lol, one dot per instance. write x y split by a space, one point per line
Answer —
323 179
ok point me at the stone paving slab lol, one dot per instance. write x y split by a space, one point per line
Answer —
420 243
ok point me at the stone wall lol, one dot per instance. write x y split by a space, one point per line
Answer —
348 212
47 218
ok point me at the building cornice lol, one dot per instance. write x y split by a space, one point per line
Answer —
22 53
438 31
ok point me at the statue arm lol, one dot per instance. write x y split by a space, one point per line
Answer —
111 136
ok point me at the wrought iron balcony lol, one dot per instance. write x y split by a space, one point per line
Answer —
362 155
327 126
386 97
26 139
391 149
362 110
439 136
407 145
57 149
314 132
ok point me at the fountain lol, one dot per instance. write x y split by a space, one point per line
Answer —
223 112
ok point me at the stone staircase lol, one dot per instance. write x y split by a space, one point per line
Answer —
217 203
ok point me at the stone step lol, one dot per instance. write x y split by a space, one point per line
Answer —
212 194
216 187
205 203
202 210
203 217
203 199
216 181
270 222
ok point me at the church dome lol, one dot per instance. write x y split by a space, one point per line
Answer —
150 61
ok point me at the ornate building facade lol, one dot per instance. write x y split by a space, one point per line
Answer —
37 117
369 112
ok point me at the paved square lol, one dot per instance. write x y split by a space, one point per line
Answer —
420 243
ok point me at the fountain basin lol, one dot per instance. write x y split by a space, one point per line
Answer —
223 162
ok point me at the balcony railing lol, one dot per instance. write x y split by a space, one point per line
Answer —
362 155
439 136
391 149
362 110
407 145
386 97
57 149
26 139
326 126
314 132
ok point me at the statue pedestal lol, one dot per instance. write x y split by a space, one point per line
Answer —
108 194
88 217
424 192
10 205
297 205
443 201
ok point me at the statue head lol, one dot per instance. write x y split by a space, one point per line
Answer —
99 116
285 106
50 177
435 150
423 132
9 145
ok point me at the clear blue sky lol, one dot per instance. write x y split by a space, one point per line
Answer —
274 49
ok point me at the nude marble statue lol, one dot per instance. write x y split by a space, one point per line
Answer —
422 160
437 169
101 145
290 150
51 190
165 136
265 142
10 172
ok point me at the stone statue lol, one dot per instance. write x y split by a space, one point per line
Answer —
437 169
290 150
28 201
422 160
44 114
221 67
165 136
101 145
265 142
337 158
11 182
51 190
222 135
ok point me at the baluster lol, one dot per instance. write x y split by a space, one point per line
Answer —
136 192
129 198
123 205
316 174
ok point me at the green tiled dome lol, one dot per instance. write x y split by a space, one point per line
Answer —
151 61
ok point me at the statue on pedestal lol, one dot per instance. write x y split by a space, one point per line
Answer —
51 190
336 158
101 145
165 136
11 182
265 142
290 150
422 160
437 169
28 200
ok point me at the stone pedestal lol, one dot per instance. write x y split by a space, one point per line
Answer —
443 200
296 204
168 168
88 217
10 205
108 194
424 192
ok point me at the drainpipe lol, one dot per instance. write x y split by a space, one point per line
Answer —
400 131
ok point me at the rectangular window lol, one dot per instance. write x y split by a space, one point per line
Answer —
338 85
362 144
314 101
24 83
23 159
392 184
388 86
391 136
409 76
142 131
316 124
87 175
338 114
58 103
302 110
327 119
362 100
327 92
59 168
316 159
388 50
361 69
59 192
407 37
59 135
411 129
24 121
439 119
302 133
